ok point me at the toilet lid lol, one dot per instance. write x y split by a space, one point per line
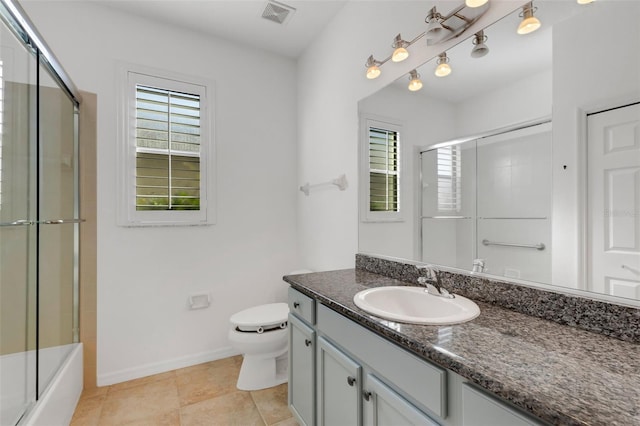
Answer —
261 316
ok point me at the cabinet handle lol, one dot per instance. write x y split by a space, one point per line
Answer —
366 395
296 305
307 342
351 380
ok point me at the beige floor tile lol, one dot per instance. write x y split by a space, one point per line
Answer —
90 393
208 381
142 381
171 418
288 422
272 403
235 408
88 410
139 402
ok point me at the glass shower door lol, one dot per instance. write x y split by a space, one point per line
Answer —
58 228
18 229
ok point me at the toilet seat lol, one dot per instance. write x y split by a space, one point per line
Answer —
258 319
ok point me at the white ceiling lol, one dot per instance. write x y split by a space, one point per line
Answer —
239 20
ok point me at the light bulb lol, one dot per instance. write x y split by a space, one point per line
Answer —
479 50
475 3
529 22
528 25
373 72
415 83
434 27
400 54
443 70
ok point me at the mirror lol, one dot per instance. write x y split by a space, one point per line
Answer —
524 163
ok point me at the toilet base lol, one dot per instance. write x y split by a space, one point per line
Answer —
260 372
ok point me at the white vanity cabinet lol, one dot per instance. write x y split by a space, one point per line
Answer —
341 373
302 358
375 381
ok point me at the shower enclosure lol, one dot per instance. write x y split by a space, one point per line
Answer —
39 223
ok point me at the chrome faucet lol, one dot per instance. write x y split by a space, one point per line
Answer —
432 276
478 265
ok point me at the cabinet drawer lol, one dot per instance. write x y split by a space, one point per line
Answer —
422 383
480 409
302 306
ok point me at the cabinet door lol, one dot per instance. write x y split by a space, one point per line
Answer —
384 407
301 371
339 385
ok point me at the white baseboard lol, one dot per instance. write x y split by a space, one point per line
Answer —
163 366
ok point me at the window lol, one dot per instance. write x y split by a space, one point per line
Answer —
382 164
449 179
167 147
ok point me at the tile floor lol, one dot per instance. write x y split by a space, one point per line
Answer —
204 394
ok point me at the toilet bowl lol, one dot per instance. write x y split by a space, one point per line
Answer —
260 333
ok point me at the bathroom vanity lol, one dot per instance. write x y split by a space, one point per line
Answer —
502 368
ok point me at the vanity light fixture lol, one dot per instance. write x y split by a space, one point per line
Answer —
439 29
434 25
479 47
529 22
443 68
475 3
585 1
373 68
415 83
400 53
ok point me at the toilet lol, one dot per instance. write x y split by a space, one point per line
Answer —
260 333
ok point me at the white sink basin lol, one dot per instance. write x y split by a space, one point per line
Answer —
414 305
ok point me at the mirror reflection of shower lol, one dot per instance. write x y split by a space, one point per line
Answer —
486 204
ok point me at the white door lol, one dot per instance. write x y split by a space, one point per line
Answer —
613 142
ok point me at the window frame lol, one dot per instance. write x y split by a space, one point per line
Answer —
130 77
368 121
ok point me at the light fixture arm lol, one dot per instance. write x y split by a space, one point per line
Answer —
480 38
528 10
371 61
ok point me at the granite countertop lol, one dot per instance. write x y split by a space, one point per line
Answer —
561 374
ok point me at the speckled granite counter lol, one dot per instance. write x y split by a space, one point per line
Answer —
561 374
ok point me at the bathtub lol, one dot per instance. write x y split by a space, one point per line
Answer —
59 399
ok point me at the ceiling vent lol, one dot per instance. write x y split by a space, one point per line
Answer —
278 12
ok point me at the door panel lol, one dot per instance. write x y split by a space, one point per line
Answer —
17 228
301 371
614 201
339 384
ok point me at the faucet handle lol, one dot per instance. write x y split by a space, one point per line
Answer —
431 272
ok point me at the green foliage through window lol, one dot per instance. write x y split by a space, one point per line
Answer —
167 150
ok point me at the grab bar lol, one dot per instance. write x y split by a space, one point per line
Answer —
533 246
